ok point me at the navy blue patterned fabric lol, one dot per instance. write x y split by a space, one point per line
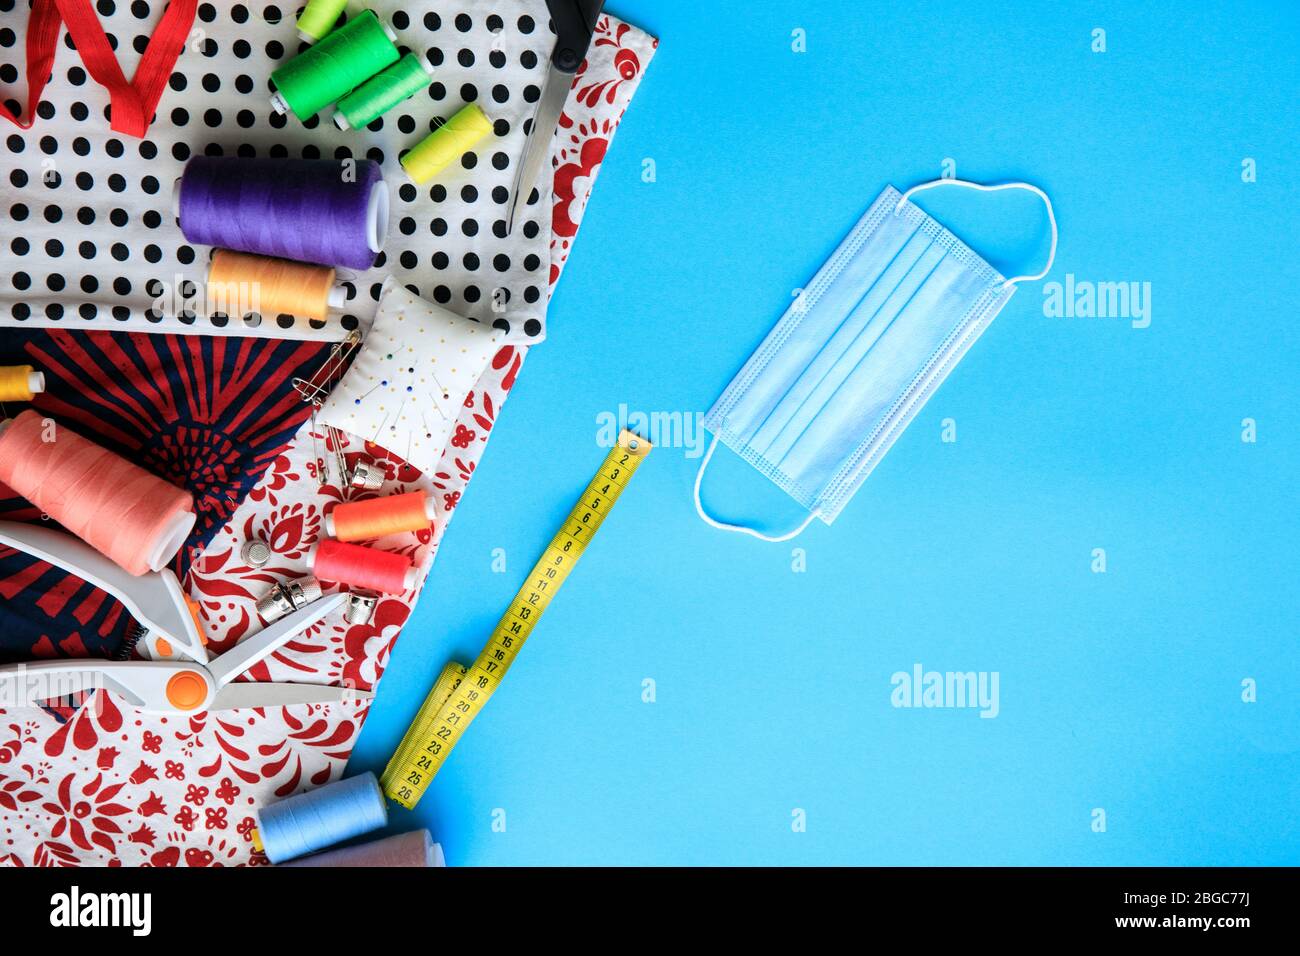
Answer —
206 412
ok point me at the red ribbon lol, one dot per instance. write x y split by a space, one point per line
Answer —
133 103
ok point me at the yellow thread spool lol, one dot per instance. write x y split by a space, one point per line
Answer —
239 283
20 383
447 143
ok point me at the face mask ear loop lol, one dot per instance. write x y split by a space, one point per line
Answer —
1051 215
722 525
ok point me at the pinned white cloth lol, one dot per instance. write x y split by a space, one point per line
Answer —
409 381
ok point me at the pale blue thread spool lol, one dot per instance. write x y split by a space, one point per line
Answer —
319 818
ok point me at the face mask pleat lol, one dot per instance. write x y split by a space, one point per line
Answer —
840 318
866 395
903 280
802 333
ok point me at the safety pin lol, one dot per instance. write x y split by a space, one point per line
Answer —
332 435
315 389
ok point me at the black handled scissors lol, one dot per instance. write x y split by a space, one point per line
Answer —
575 22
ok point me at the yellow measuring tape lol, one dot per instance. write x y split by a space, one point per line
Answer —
461 692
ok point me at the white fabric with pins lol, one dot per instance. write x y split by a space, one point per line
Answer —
411 377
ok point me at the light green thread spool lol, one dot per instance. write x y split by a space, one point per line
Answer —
381 93
319 19
343 60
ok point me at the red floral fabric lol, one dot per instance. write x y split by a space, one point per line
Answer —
602 89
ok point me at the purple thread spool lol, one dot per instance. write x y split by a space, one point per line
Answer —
320 211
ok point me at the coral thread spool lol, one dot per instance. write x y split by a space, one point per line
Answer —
136 519
361 567
20 383
368 520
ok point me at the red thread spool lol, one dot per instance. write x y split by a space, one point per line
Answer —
132 517
355 566
378 517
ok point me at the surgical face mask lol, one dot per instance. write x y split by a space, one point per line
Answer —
859 353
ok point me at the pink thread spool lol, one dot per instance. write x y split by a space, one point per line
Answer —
136 519
361 567
414 849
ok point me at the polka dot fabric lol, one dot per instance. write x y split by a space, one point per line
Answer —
92 238
410 379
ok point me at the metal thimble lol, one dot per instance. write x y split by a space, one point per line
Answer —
284 598
360 608
368 476
255 553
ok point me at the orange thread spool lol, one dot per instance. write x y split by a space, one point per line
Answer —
134 518
368 520
370 568
239 283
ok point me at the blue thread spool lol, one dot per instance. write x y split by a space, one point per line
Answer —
319 818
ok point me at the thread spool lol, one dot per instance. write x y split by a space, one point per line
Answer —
383 91
20 383
318 19
340 62
319 818
300 209
414 849
137 520
362 567
447 143
368 520
240 282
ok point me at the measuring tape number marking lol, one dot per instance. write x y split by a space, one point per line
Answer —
461 692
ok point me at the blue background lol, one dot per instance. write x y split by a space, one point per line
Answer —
1120 690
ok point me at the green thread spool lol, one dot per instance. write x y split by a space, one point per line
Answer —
343 60
381 93
318 19
447 143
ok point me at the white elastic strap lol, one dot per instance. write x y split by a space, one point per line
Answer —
1051 216
722 525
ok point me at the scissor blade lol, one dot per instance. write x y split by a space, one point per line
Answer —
549 108
266 641
154 599
31 685
245 694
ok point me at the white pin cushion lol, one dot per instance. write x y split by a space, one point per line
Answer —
407 386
